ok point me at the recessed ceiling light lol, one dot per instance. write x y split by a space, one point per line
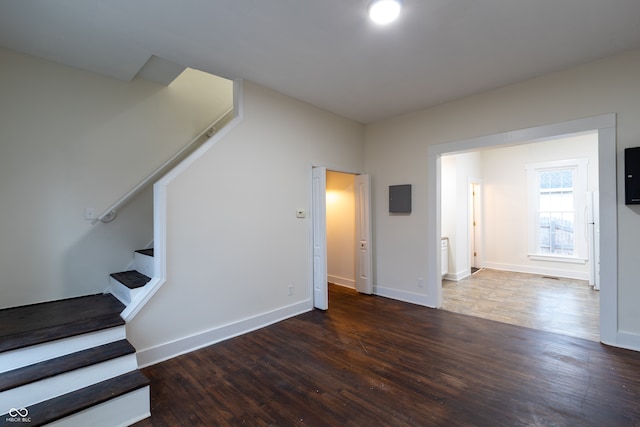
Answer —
384 11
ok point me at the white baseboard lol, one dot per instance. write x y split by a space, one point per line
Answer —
555 272
169 350
400 295
628 340
456 277
342 281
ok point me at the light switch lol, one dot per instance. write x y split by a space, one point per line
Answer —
89 213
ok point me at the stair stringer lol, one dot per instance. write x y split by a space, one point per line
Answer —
160 209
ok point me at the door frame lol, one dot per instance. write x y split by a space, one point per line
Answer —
313 227
475 231
319 286
607 155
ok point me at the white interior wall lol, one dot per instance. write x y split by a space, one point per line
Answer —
71 139
234 244
455 174
449 206
506 209
341 229
605 86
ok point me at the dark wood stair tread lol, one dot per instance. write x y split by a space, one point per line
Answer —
39 323
79 400
50 368
147 252
131 279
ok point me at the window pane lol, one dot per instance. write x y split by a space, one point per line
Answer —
567 178
561 234
566 202
545 180
545 202
556 207
543 233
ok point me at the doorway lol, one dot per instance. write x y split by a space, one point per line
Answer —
528 236
605 127
341 222
341 229
475 224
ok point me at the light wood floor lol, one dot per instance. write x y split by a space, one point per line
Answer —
564 306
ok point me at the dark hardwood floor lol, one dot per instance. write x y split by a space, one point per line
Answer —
371 361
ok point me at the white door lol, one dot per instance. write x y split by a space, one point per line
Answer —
474 193
319 220
593 237
596 240
362 185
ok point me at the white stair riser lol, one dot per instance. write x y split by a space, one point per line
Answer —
30 394
124 294
19 358
143 264
122 411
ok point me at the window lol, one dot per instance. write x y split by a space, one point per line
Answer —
557 198
556 212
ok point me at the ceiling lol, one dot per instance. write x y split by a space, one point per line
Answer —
326 52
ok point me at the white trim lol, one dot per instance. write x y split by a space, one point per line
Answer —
607 155
342 281
434 228
160 208
628 340
555 272
399 295
169 350
456 277
557 258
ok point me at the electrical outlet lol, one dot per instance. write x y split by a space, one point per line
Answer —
420 282
290 290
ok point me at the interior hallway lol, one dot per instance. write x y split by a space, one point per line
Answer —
565 306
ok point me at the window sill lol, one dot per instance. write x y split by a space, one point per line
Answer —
557 258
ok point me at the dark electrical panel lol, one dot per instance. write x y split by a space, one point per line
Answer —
632 176
400 198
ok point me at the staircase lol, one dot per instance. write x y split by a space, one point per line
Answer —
68 363
127 285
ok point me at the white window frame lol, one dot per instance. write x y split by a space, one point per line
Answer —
580 186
